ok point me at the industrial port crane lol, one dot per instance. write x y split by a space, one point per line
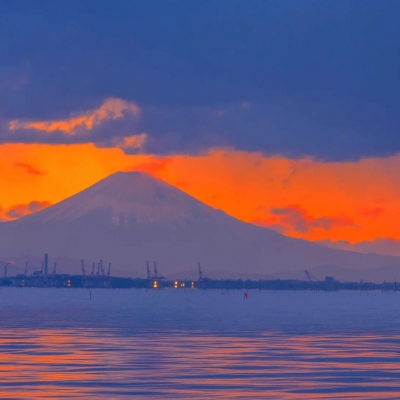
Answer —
5 269
155 270
100 269
148 270
310 276
156 276
83 268
200 272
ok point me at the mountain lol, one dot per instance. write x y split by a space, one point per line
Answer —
131 217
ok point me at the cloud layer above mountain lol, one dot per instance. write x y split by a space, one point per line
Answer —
110 125
294 78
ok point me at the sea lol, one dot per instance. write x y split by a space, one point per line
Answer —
195 344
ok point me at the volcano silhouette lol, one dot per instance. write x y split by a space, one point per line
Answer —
130 217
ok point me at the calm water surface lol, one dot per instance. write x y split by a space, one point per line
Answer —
57 343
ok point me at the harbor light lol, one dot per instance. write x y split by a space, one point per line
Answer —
176 284
155 284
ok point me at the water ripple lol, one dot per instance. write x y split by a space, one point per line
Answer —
60 344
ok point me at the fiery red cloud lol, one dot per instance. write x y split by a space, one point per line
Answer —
374 212
21 210
156 166
295 218
29 169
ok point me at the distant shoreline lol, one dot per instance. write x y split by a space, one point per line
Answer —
112 282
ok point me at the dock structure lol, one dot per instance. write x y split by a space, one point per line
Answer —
106 281
103 279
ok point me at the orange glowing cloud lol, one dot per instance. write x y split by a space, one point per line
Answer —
353 201
130 143
334 196
296 218
374 212
20 210
157 166
111 109
29 169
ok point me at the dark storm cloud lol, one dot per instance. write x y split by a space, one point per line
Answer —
318 78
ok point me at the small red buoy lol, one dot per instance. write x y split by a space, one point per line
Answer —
246 296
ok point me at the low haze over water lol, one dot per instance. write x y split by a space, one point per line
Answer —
198 344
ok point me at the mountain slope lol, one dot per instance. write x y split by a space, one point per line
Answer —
129 218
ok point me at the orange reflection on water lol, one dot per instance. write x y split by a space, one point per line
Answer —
79 363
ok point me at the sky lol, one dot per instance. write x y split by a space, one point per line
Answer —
282 113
